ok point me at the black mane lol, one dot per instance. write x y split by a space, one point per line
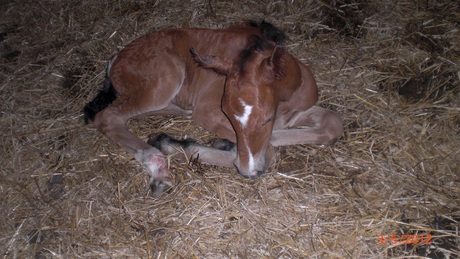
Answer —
270 32
257 44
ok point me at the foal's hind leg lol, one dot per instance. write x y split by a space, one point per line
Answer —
146 78
313 126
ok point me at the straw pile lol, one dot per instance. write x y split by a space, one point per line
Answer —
391 68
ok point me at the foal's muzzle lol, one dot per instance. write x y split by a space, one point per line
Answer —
261 163
251 175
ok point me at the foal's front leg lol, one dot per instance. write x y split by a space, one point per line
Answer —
112 123
313 126
222 153
207 114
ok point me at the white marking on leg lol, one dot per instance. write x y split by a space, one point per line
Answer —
153 164
243 119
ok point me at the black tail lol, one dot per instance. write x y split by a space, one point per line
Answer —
106 96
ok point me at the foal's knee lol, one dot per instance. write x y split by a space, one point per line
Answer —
105 120
333 127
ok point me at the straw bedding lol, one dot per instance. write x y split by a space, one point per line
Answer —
391 68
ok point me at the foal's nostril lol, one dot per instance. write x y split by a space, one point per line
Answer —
254 175
259 173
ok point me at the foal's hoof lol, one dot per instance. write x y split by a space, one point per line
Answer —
157 140
159 187
224 144
161 140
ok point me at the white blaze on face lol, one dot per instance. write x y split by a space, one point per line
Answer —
243 118
251 160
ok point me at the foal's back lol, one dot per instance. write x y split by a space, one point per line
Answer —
160 63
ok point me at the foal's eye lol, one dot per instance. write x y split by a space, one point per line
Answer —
267 61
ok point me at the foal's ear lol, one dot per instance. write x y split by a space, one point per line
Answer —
276 62
219 65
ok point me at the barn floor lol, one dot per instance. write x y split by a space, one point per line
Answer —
390 188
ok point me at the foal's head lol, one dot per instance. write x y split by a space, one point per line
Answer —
250 101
